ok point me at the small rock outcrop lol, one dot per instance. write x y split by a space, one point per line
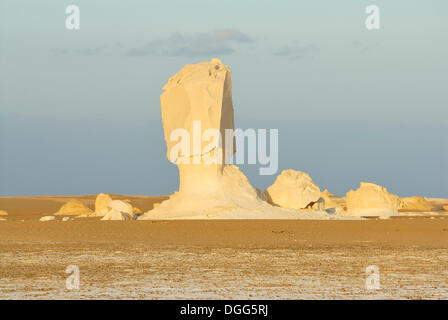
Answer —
415 204
293 189
101 205
74 208
119 210
371 200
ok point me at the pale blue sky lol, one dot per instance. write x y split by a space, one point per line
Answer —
80 111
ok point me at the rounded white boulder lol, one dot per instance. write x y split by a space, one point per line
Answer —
371 200
293 189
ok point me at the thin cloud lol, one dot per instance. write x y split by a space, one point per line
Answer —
219 42
88 51
297 50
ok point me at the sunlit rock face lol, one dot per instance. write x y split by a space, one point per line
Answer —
119 210
415 204
197 104
371 200
293 189
101 205
200 92
74 207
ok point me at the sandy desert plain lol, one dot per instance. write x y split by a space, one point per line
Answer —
217 259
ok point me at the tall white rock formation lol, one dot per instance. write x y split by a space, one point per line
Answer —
197 115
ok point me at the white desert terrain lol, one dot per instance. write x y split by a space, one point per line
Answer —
217 259
218 236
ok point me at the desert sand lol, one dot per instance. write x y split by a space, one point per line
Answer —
248 259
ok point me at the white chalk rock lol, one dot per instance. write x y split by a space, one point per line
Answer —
293 189
101 205
121 206
74 207
196 99
371 200
47 218
116 215
196 105
415 204
3 213
66 219
119 210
